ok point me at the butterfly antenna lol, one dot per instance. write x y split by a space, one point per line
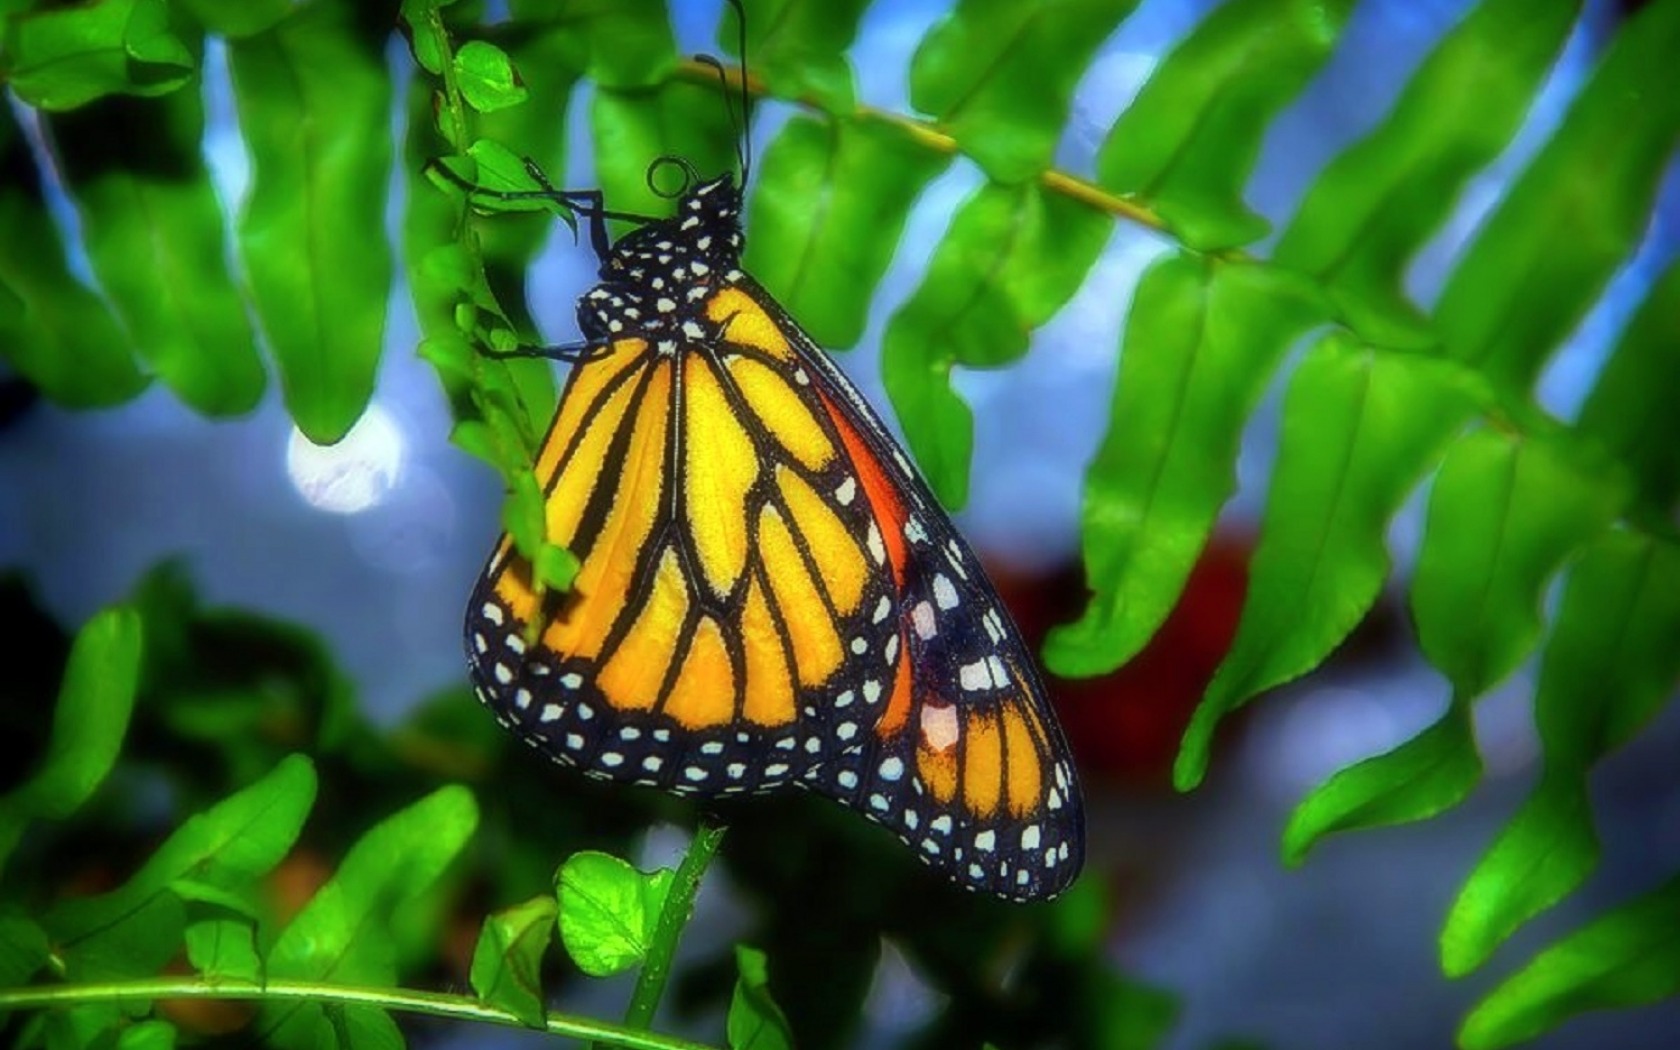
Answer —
743 146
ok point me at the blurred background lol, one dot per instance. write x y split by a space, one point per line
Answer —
375 543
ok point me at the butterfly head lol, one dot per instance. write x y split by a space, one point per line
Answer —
656 278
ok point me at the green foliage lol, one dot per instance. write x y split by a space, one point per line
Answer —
507 963
314 914
1188 142
313 98
1389 395
608 911
89 722
1037 247
64 58
999 79
1205 337
755 1021
1626 958
809 207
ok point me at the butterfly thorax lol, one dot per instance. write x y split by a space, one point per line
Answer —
656 279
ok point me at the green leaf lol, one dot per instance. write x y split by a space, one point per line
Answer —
1503 515
1186 146
221 930
1611 661
1626 958
155 237
550 60
555 567
90 720
1631 408
487 77
134 928
1574 214
63 57
798 50
755 1021
1201 343
147 1035
831 200
428 38
633 129
1426 775
507 963
314 103
242 19
23 949
1360 428
608 911
630 45
94 1026
1132 1015
1380 201
1011 258
524 515
55 331
224 949
336 1026
1542 854
502 170
999 77
345 932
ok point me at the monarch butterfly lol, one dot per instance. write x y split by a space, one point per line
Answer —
768 596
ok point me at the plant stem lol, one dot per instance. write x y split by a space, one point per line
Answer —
436 1004
679 904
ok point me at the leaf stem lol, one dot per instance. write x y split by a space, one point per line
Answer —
436 1004
673 917
929 136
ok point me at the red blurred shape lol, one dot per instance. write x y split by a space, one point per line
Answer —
1125 726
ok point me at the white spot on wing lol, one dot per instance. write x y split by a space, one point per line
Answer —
1000 676
944 594
921 617
877 549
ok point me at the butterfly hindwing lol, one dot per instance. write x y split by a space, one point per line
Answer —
966 763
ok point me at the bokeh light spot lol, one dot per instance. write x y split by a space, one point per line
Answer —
353 475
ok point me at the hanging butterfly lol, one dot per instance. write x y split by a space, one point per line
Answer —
768 595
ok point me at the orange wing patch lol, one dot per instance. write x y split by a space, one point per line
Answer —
631 677
720 464
816 643
704 693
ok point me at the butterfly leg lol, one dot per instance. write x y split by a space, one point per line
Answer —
572 353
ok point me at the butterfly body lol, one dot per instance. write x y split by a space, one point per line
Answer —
767 594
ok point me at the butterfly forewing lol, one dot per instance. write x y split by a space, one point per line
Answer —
767 594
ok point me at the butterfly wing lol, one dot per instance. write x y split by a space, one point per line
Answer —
966 763
731 593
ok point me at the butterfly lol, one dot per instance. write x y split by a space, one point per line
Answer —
768 596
